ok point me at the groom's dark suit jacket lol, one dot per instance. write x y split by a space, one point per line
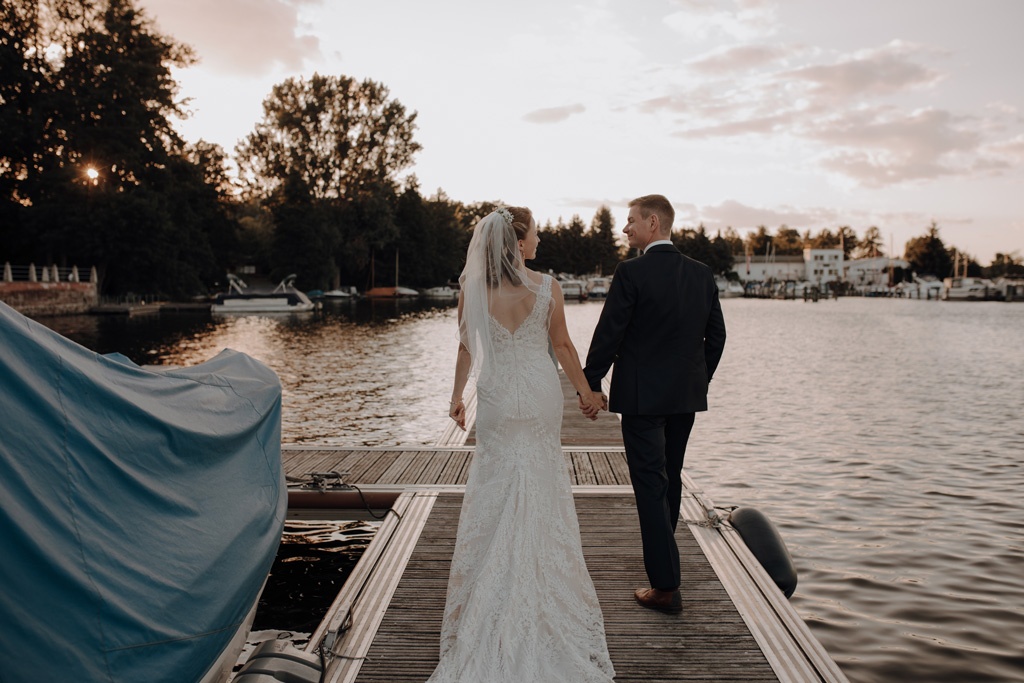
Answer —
663 329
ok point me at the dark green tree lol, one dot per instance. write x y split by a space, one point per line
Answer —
91 164
733 239
788 241
826 239
872 245
333 148
847 237
1005 265
304 238
605 247
553 252
433 243
725 256
927 254
759 241
331 135
694 243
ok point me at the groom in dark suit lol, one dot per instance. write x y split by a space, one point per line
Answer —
663 329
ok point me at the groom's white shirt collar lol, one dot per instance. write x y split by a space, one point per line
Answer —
654 244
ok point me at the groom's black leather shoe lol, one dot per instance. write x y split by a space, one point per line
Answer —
669 602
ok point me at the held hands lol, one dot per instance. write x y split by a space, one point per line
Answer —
591 403
457 412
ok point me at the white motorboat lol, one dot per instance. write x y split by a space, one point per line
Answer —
284 299
969 289
728 289
597 287
340 294
443 292
572 289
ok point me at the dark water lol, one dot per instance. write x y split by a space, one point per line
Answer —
312 563
884 437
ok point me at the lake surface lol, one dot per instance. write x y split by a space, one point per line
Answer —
885 438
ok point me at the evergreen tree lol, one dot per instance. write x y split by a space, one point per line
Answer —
872 245
605 247
759 241
1005 265
825 239
304 238
847 240
927 254
788 241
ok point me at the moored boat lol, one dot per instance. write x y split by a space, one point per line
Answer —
572 289
144 507
347 294
597 287
284 299
969 289
443 292
728 289
390 293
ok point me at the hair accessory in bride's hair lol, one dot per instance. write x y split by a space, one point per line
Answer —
504 213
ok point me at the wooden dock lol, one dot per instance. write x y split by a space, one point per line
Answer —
384 625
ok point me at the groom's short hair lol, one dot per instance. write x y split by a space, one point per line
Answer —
659 204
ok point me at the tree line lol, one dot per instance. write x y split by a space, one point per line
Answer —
93 172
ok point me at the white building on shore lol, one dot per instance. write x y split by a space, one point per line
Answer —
817 266
870 273
823 265
772 268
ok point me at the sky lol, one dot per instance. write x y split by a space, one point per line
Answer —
808 113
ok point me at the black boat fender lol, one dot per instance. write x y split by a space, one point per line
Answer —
766 544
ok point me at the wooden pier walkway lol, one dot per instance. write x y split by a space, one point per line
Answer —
384 625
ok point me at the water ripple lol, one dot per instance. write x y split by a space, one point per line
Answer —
883 437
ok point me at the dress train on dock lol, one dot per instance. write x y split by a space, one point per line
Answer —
521 605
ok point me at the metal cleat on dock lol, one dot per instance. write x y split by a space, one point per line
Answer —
327 481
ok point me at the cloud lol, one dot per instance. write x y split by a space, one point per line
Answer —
732 213
882 146
1011 150
762 125
554 114
881 71
740 20
739 58
838 111
244 37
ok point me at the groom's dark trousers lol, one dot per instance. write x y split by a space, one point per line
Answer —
662 328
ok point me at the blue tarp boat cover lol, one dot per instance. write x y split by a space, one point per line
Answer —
140 510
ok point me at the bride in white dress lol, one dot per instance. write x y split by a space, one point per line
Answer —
521 606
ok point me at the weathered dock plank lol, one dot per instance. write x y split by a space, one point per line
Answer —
438 466
710 641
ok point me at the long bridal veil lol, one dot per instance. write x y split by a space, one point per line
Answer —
496 288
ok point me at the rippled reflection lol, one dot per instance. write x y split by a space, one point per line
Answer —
883 437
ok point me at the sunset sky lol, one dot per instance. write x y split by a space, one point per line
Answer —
812 113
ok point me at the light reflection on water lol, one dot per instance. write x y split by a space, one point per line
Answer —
883 437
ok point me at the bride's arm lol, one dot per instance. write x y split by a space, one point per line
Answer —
456 408
565 352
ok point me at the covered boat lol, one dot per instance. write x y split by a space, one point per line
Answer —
140 509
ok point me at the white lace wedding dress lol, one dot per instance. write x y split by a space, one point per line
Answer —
521 605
